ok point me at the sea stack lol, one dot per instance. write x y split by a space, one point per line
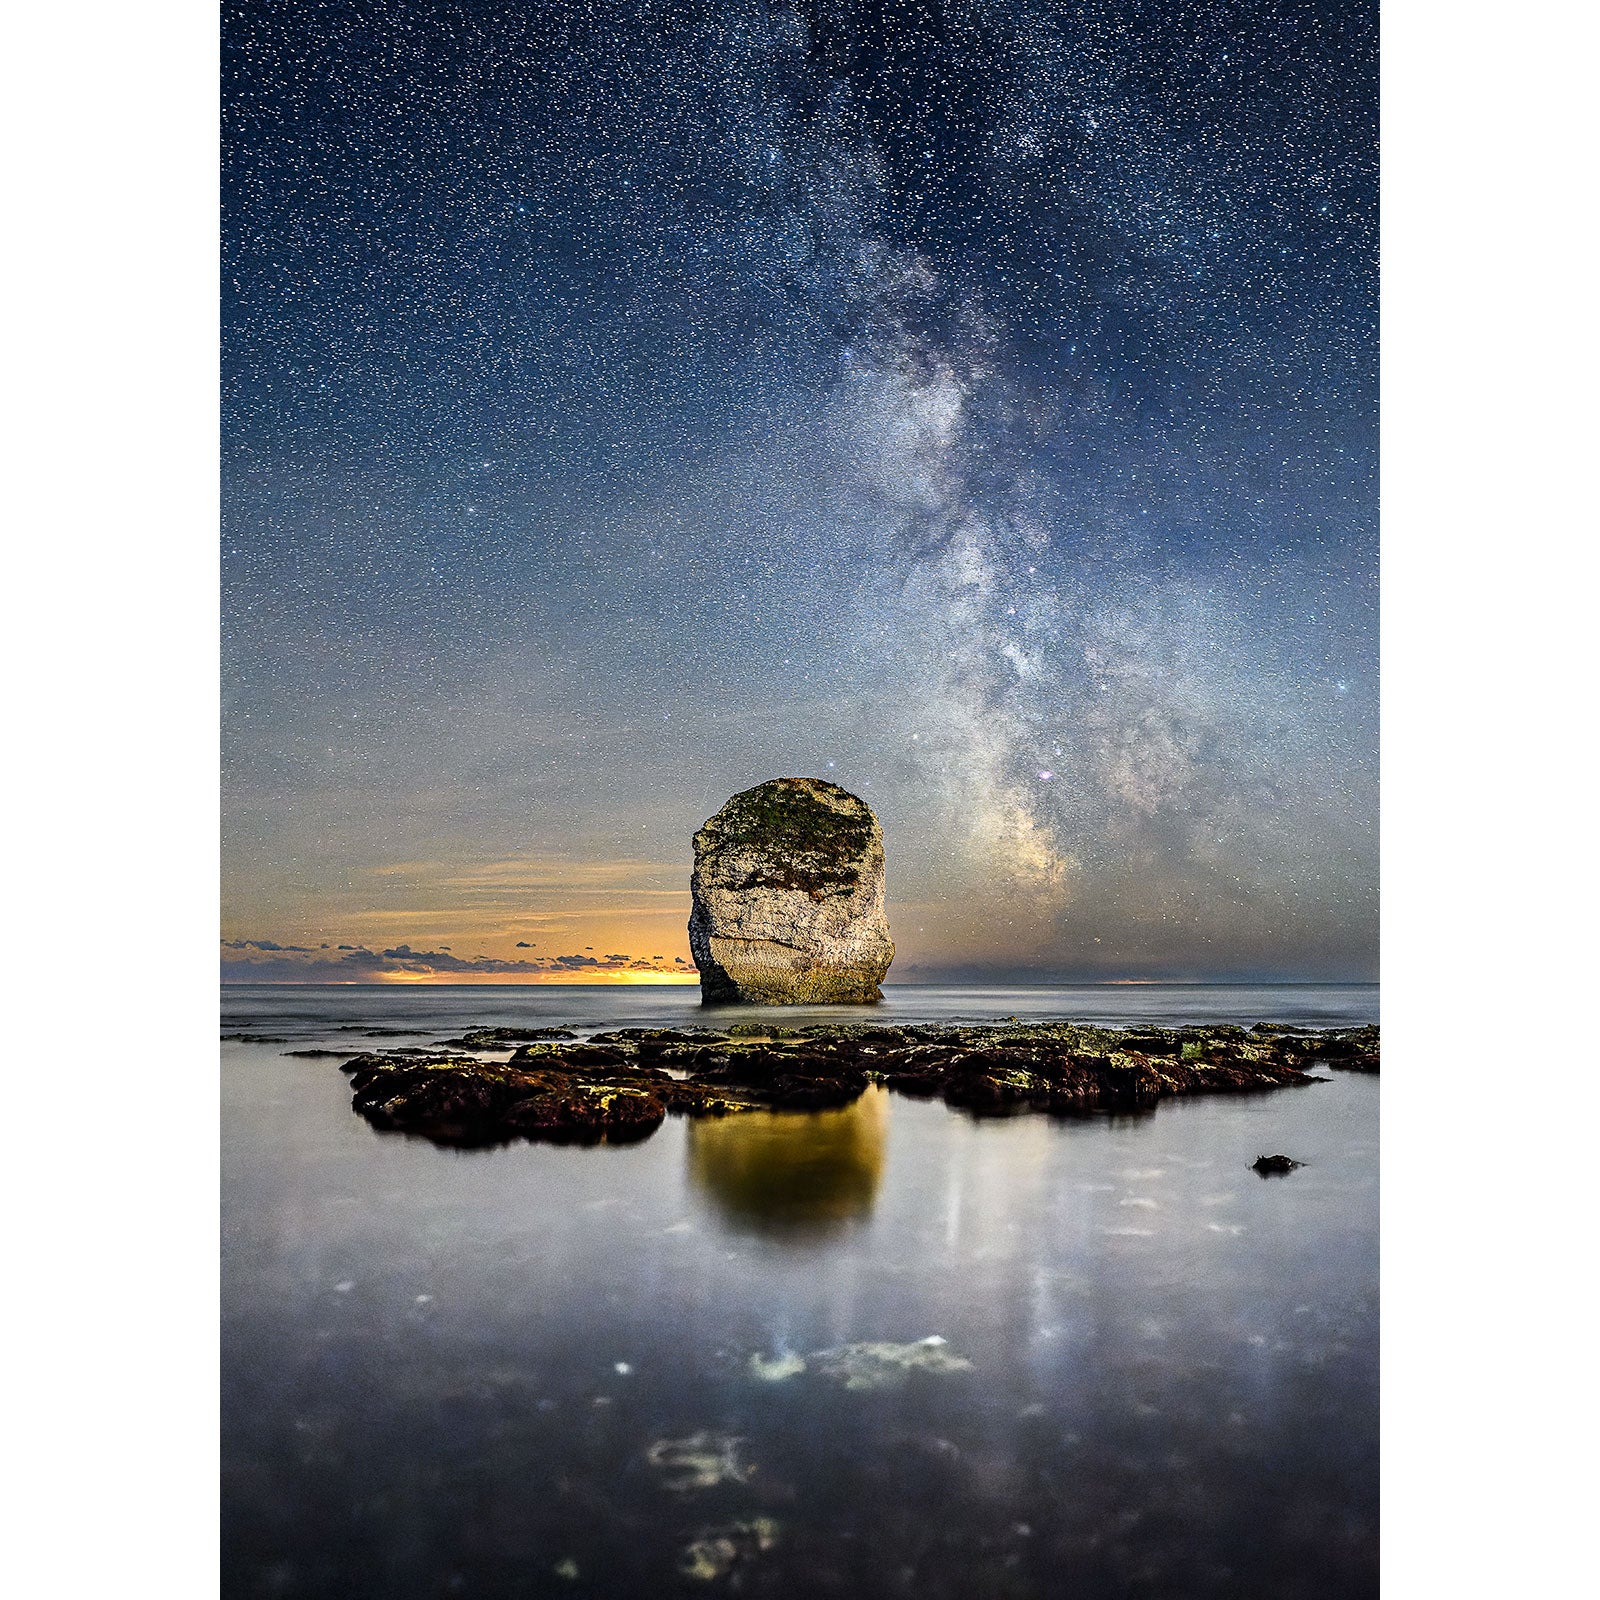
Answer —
788 898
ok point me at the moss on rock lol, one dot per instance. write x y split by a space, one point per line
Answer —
788 898
622 1089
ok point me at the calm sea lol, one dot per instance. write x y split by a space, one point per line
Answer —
700 1364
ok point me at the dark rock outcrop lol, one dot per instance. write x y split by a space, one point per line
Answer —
502 1038
788 898
1274 1166
621 1085
459 1100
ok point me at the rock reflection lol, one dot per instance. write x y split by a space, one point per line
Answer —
795 1176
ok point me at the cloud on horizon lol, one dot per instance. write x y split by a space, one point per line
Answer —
266 961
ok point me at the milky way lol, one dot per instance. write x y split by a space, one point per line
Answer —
972 404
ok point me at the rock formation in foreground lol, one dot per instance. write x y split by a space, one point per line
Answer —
788 898
620 1086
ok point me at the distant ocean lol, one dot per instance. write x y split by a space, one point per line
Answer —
303 1010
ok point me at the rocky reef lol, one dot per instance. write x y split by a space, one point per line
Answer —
620 1086
788 898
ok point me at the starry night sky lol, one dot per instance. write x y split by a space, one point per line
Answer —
973 404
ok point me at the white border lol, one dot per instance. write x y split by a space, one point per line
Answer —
1488 289
110 117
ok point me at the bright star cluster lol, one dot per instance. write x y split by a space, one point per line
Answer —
971 403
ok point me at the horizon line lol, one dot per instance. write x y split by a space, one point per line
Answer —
1062 983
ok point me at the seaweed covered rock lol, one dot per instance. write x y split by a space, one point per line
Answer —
788 898
459 1100
621 1085
1348 1049
502 1038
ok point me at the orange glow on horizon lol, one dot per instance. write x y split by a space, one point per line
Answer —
618 978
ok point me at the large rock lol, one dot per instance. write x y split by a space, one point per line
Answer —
788 898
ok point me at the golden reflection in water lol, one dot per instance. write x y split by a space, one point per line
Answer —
795 1175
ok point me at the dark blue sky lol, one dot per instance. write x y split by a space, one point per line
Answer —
973 404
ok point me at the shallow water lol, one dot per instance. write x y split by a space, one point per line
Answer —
635 1371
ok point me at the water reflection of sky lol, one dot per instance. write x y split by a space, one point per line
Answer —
447 1372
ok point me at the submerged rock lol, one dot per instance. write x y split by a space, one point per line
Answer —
717 1552
880 1365
788 898
873 1364
702 1461
777 1368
